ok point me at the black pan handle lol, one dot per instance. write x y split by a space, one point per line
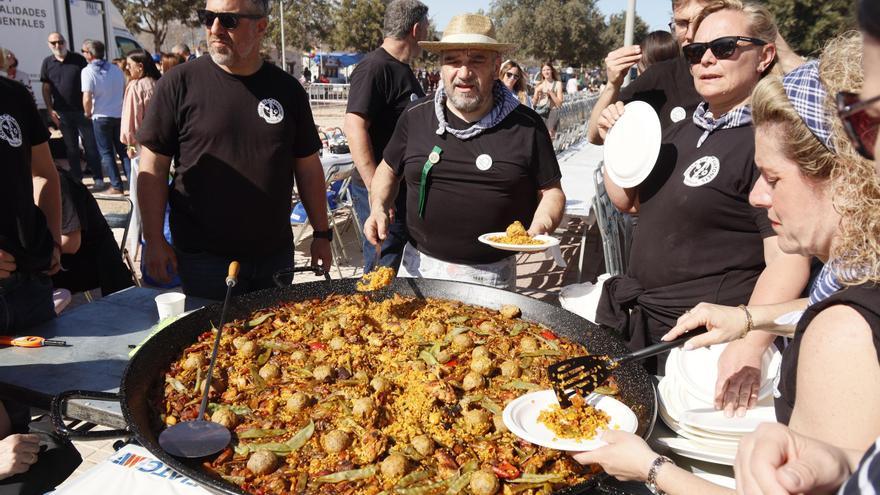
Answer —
57 412
662 347
317 270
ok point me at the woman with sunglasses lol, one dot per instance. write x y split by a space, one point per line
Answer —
822 197
698 238
511 74
14 73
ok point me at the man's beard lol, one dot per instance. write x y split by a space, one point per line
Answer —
60 52
226 58
466 103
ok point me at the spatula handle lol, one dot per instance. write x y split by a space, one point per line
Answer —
653 350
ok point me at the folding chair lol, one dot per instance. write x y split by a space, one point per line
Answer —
120 220
336 181
615 228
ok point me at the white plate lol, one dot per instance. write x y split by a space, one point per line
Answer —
521 418
688 448
715 421
632 145
547 242
698 371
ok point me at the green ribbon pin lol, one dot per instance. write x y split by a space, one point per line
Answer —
433 158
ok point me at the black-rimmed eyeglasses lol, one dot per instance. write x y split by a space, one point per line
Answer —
229 20
859 125
722 48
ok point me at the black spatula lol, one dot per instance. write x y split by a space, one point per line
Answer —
582 375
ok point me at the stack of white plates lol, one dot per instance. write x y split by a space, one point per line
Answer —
686 406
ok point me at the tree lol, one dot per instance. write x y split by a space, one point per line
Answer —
808 24
612 36
565 30
358 25
305 23
153 16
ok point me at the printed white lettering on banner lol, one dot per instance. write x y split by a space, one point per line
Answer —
151 466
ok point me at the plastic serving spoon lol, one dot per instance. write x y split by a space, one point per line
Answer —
198 437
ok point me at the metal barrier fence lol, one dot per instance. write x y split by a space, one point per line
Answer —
327 94
574 117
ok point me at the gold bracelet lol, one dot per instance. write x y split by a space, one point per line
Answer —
748 320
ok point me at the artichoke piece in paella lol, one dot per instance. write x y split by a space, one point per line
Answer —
348 395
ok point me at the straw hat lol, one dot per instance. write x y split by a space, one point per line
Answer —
472 31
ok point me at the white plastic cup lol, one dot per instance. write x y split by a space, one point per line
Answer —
170 304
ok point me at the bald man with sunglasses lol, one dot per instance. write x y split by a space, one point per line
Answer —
240 131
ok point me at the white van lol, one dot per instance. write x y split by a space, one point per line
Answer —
25 26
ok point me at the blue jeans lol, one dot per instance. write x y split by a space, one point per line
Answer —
74 125
392 248
109 146
204 274
25 302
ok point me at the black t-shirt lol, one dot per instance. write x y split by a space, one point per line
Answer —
695 221
463 200
668 86
64 77
865 299
23 230
381 89
235 140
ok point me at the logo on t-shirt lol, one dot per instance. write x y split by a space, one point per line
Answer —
702 171
484 162
677 114
271 111
413 97
10 131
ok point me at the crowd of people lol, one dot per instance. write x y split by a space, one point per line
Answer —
763 201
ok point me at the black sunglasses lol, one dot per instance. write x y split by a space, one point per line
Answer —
722 48
512 75
57 43
229 20
860 127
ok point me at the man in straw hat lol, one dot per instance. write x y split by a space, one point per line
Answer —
474 159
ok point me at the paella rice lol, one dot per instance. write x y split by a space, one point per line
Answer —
516 234
347 395
580 421
377 279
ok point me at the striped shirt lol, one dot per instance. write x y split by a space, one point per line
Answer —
866 479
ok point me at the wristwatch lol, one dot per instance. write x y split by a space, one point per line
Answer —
323 234
652 474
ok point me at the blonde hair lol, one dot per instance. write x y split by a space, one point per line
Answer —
852 181
761 23
520 86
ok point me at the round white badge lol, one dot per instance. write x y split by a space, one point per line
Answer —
10 131
677 114
413 97
702 171
434 157
271 111
484 162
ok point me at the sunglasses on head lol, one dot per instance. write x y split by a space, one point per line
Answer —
228 20
722 48
511 75
57 43
859 125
